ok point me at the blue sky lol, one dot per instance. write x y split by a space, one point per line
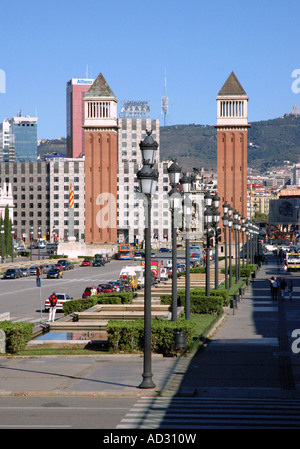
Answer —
132 43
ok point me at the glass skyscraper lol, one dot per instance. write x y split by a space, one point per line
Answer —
24 130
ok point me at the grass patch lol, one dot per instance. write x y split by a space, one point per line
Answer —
202 323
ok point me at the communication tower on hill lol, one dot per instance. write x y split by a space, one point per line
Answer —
165 102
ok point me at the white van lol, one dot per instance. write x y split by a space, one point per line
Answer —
164 274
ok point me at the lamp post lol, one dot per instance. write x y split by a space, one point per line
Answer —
230 223
39 236
243 227
175 201
12 242
216 219
31 238
235 227
208 217
2 235
147 177
187 211
225 224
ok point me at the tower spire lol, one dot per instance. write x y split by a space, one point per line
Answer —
164 102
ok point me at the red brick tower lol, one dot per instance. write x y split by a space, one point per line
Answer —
101 152
232 126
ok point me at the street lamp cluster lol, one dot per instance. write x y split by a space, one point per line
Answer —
211 221
180 202
239 224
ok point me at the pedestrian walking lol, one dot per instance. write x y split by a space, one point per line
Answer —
290 288
274 288
93 290
283 285
52 308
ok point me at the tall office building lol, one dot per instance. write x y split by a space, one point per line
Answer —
76 90
101 160
232 126
18 139
24 130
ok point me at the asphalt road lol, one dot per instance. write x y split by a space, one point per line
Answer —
63 413
25 302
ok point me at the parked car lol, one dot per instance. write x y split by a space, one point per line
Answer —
139 256
12 273
165 250
117 286
66 264
106 288
86 263
25 271
98 263
55 273
87 292
46 268
32 270
61 299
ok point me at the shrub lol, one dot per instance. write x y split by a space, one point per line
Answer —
17 335
195 294
129 335
79 305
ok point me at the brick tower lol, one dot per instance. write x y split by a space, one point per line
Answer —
232 126
101 152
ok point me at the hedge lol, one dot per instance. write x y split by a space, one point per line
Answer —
79 305
129 335
245 272
17 335
209 304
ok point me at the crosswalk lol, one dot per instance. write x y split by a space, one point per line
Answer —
211 413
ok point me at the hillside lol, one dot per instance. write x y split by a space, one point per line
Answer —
270 143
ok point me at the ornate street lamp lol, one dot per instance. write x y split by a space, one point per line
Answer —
216 219
208 217
230 223
147 177
187 212
235 227
175 202
2 235
39 236
243 227
12 242
225 224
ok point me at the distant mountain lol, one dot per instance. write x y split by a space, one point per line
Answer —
46 146
270 143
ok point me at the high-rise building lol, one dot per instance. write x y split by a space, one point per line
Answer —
232 126
24 131
76 90
131 213
101 160
7 146
18 139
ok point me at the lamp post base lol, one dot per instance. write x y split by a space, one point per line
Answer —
147 382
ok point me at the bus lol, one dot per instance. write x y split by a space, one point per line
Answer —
126 251
195 253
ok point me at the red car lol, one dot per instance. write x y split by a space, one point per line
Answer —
87 292
106 288
86 263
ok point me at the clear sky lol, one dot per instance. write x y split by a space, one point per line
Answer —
132 43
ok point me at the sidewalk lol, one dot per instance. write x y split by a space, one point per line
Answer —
248 355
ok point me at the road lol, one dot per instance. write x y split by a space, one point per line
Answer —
63 413
23 300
